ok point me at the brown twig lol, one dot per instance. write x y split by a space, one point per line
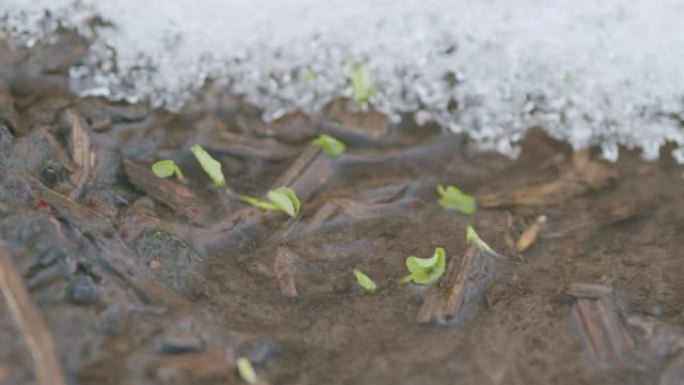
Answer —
27 317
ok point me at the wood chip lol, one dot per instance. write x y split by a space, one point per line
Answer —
587 222
345 123
600 324
461 285
30 322
191 367
588 290
285 269
175 195
247 146
81 152
584 175
307 173
529 236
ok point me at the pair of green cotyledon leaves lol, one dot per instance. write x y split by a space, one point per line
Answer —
280 199
424 271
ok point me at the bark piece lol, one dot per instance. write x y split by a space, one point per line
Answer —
584 175
344 122
461 285
243 145
191 367
81 151
600 324
285 269
307 173
178 197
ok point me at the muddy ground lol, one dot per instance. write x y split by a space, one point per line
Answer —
132 279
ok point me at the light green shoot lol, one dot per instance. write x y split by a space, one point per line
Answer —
286 200
425 270
362 83
165 168
210 165
330 145
281 199
310 76
472 237
364 281
246 371
453 198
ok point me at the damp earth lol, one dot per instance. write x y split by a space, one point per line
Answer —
112 275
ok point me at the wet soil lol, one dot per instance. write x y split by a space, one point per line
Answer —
139 280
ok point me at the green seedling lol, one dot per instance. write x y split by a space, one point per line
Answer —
310 76
165 168
246 371
330 145
286 200
210 165
425 270
364 281
281 199
453 198
472 237
362 83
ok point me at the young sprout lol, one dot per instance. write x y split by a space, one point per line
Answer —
286 200
330 145
281 199
165 168
310 76
425 270
246 370
364 281
472 237
210 165
362 83
453 198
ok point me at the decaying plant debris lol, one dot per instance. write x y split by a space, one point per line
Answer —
144 280
583 175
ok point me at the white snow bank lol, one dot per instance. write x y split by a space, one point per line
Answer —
590 72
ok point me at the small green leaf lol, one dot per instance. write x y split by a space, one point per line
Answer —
453 198
310 76
472 237
330 145
246 370
425 270
210 165
362 83
365 281
286 200
166 168
281 199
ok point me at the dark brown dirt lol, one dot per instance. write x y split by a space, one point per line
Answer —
137 286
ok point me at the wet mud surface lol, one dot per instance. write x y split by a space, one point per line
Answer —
125 278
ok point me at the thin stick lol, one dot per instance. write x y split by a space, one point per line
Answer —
27 317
